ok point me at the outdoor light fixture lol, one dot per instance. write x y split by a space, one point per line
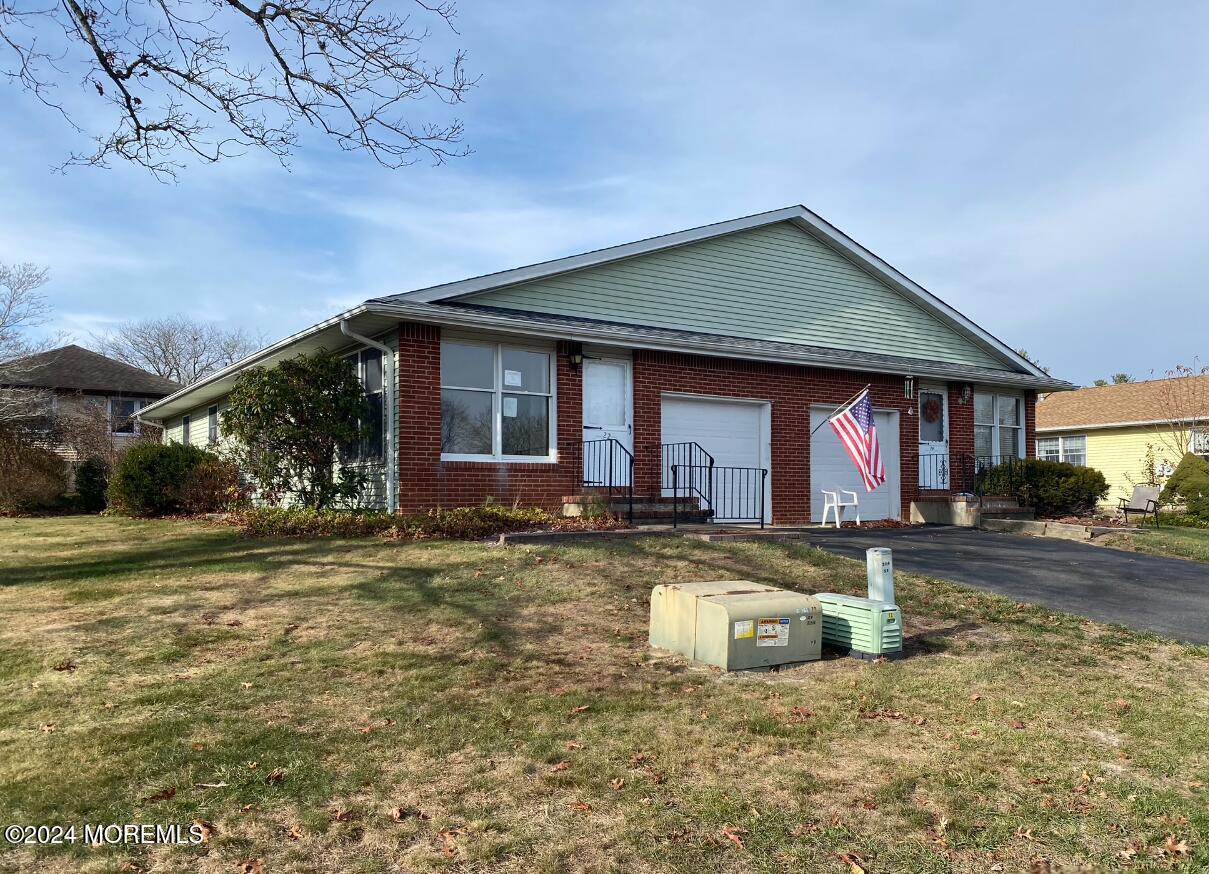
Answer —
575 356
966 393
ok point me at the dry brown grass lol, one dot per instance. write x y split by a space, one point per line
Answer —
1011 734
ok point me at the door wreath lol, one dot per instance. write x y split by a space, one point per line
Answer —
932 408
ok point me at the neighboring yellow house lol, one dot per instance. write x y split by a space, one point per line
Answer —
1134 433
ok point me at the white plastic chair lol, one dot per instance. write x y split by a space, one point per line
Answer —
831 501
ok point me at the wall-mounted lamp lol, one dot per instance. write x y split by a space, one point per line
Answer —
909 387
575 356
966 393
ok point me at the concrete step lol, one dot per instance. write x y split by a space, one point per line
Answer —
1018 513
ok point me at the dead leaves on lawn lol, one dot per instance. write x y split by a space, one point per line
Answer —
250 866
856 865
734 834
275 776
162 795
402 814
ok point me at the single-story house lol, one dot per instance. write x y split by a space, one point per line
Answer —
711 355
1134 433
78 381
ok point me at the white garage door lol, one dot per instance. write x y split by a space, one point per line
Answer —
733 433
831 468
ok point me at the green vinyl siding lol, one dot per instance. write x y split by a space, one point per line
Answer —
771 283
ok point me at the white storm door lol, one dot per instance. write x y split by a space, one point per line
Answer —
932 414
607 413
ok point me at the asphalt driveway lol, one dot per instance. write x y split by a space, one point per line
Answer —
1169 596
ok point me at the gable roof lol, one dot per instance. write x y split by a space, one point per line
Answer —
76 368
799 216
1155 401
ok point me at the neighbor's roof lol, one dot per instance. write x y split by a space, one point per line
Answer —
80 369
1132 403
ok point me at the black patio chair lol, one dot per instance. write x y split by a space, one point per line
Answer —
1145 500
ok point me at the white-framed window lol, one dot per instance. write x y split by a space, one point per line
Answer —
1072 450
1198 441
998 425
122 413
212 424
186 427
367 364
497 402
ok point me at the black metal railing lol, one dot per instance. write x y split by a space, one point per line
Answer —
737 493
696 471
993 475
935 473
609 466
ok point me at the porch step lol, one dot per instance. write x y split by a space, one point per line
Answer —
647 508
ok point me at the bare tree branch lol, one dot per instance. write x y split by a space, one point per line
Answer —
22 306
176 347
209 79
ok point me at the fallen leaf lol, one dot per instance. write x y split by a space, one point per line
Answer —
162 795
197 748
574 745
617 783
47 727
211 786
734 835
65 665
637 759
561 766
246 685
1176 847
582 806
580 709
449 844
1039 781
1130 850
799 714
252 766
295 833
399 814
854 862
388 722
234 623
275 776
246 808
1017 724
920 720
974 699
251 866
206 827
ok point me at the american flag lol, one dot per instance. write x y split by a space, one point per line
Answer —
854 426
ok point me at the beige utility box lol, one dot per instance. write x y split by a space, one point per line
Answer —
736 624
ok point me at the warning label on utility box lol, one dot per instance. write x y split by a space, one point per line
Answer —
772 632
745 628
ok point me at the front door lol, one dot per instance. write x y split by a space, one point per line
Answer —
933 413
606 390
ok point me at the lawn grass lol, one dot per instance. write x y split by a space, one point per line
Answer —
450 682
1176 542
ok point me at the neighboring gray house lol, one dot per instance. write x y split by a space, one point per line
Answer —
703 359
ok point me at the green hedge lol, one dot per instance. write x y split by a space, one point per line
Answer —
1052 488
92 481
152 478
1189 485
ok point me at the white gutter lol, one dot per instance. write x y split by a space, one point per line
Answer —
1173 423
388 395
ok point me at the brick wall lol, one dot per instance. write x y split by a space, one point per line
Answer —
791 389
425 481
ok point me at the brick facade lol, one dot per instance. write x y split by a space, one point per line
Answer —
425 481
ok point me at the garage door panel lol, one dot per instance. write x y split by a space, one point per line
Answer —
831 468
733 433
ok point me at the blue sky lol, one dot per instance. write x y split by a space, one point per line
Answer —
1041 167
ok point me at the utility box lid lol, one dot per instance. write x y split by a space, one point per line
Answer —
758 629
674 610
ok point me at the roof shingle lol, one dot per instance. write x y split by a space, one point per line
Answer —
1157 400
80 369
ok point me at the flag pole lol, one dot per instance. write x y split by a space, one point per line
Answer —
840 407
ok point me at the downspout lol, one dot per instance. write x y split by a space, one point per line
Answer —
388 393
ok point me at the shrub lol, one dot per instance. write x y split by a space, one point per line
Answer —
213 486
32 477
307 522
151 478
92 479
1052 488
458 523
1189 485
